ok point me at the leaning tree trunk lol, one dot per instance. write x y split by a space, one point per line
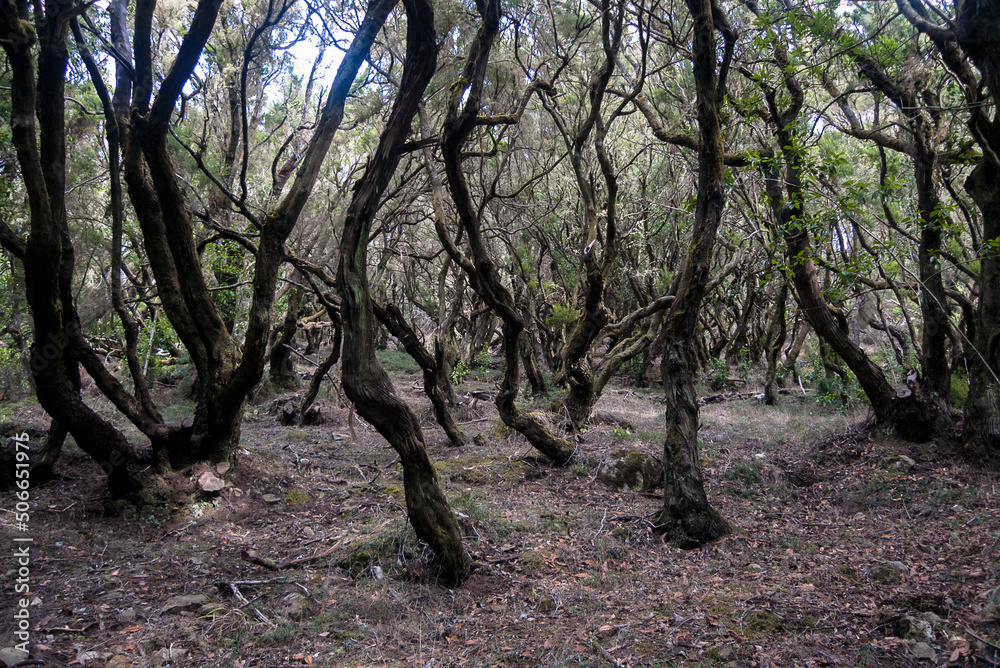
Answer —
480 269
365 381
776 331
687 518
437 384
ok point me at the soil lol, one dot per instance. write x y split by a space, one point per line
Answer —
846 553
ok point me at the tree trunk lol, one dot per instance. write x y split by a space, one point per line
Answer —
979 34
480 269
282 369
982 407
687 518
437 384
776 330
365 381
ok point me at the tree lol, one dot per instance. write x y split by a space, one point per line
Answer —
365 382
687 517
227 372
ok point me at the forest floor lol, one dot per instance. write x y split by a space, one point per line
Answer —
843 554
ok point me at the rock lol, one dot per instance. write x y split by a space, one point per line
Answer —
223 467
186 603
313 416
127 616
727 653
289 413
167 655
922 650
271 498
898 566
631 468
119 661
898 463
92 655
9 656
992 608
210 484
914 628
298 607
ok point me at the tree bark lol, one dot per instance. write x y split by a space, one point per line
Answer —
687 518
979 34
437 384
281 368
365 381
776 332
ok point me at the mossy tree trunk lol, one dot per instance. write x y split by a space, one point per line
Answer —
437 384
776 333
687 518
365 381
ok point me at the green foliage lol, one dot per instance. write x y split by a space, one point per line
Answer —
959 389
563 314
745 472
719 378
459 371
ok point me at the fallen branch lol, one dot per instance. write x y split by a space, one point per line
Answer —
254 558
732 396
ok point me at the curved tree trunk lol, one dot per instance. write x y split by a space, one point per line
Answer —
437 384
365 381
979 34
687 518
480 269
776 331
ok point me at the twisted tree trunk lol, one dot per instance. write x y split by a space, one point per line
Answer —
365 381
687 518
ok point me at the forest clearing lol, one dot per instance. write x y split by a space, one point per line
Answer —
844 552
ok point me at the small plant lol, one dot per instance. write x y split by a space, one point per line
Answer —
621 432
482 363
562 314
295 497
719 380
459 372
744 471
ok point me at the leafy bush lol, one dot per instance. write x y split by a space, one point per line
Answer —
562 314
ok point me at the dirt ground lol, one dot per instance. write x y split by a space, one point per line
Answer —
845 554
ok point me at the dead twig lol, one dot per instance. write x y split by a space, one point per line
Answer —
246 604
